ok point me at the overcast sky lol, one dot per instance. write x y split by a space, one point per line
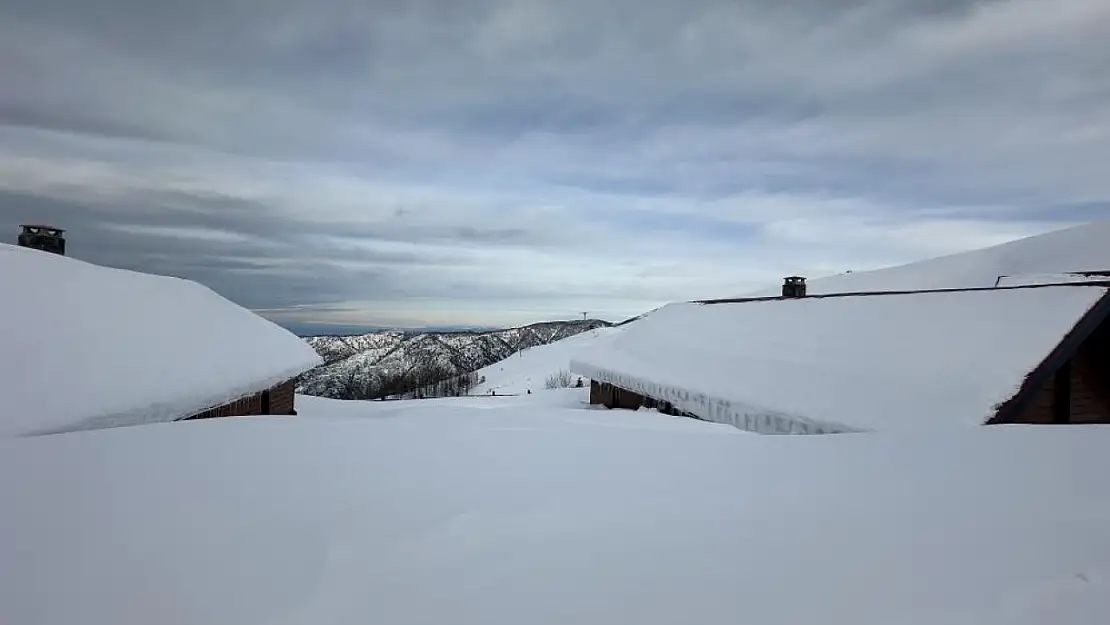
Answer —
494 162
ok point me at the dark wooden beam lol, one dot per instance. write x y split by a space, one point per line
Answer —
1061 404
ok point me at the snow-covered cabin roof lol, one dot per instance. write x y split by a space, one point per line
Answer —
843 363
1079 249
84 346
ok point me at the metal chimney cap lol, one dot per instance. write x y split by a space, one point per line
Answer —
42 227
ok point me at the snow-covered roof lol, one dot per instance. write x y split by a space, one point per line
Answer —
84 346
1078 249
887 361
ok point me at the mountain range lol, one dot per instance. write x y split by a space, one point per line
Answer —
391 362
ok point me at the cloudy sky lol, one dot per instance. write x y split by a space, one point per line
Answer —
492 162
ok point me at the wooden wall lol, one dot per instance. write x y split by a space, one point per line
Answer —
614 397
280 399
1086 396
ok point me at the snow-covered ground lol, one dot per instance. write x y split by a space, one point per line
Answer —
1082 248
529 369
541 410
549 514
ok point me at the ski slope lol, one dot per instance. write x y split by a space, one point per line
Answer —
530 368
1082 248
549 515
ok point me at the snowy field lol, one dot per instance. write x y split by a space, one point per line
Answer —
544 410
538 510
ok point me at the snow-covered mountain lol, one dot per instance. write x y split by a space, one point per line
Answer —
379 361
1082 248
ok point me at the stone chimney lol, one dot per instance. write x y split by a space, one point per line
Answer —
794 287
45 238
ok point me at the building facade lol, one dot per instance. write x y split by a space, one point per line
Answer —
276 400
1066 365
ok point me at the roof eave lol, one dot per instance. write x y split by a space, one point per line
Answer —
1010 410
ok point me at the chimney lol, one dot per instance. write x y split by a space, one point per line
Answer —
45 238
794 287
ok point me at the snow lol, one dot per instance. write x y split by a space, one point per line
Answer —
543 409
550 516
370 356
85 346
1078 249
817 365
530 368
1034 279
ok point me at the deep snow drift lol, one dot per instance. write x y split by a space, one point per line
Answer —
1082 248
84 346
550 515
918 361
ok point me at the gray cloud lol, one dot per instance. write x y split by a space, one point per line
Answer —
497 161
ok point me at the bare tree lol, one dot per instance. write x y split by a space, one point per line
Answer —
349 386
559 379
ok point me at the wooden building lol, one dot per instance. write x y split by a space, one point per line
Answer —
276 400
86 347
1072 383
1032 353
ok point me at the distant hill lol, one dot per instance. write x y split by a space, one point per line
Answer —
1082 248
393 362
310 330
